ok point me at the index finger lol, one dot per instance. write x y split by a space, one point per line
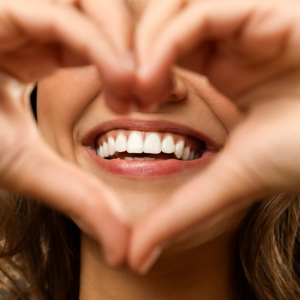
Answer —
251 29
38 172
116 24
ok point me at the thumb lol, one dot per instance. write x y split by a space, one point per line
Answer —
221 186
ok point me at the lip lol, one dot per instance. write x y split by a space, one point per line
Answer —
89 138
146 169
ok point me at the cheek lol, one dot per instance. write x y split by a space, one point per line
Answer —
227 112
61 99
223 108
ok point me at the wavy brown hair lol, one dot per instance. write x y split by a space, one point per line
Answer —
40 252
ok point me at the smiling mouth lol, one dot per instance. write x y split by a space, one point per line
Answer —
142 149
132 145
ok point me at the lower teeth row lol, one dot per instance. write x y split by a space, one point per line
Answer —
142 158
138 158
192 156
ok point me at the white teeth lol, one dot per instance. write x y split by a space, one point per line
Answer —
186 153
120 145
100 152
179 149
191 157
152 144
111 146
105 149
168 145
135 143
138 158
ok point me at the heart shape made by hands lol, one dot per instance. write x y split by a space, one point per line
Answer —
252 61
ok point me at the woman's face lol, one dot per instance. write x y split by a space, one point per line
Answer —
148 155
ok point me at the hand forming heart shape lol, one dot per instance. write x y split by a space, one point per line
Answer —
248 51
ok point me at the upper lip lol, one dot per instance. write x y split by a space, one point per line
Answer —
89 137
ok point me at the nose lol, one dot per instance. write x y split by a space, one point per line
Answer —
179 91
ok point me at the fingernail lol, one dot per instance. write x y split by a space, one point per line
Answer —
147 265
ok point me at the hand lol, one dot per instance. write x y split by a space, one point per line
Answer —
36 38
255 62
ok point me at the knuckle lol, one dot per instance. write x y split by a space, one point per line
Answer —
12 94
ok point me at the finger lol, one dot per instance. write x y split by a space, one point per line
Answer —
47 23
207 195
147 31
41 174
183 32
114 20
217 21
254 164
30 168
35 61
116 24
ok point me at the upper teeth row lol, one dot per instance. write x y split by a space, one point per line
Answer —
152 145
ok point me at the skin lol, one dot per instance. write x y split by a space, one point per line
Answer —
258 69
38 37
263 81
72 101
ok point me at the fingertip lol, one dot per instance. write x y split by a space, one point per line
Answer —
119 80
117 103
137 249
115 255
141 258
149 262
152 89
114 235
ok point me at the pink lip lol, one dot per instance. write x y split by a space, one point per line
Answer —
146 169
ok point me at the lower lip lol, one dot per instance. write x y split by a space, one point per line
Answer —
146 169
